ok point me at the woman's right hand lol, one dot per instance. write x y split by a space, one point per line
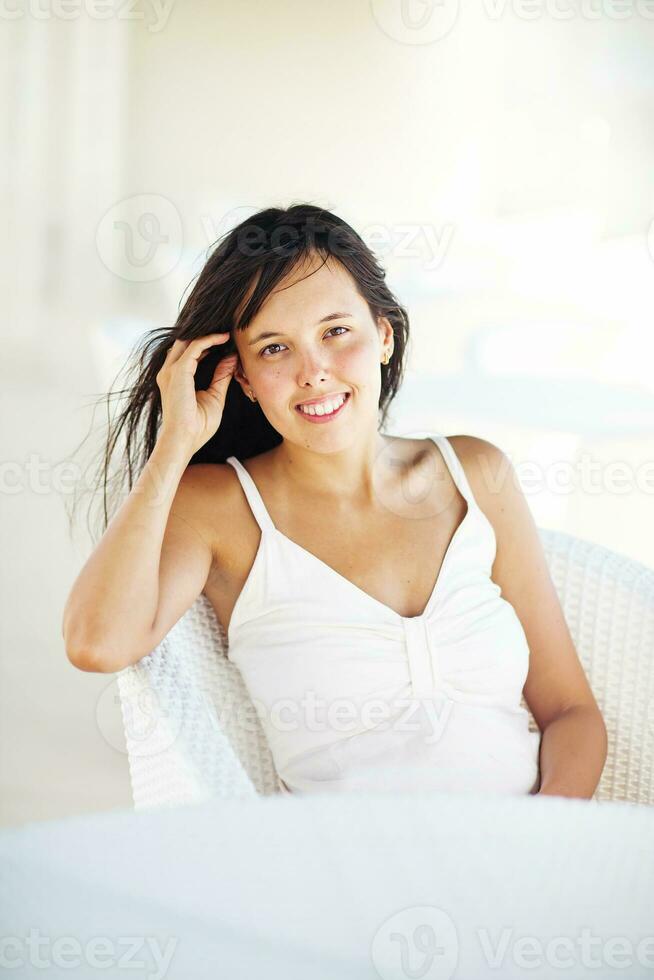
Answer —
193 416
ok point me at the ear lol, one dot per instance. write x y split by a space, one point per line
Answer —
239 376
385 329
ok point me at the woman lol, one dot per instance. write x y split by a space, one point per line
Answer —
352 571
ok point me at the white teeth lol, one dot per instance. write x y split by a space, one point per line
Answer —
326 408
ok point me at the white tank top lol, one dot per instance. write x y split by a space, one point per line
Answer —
353 696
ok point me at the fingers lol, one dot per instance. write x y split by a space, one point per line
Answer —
199 345
196 348
223 374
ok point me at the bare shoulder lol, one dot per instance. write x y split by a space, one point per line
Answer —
200 482
497 490
474 448
206 499
488 470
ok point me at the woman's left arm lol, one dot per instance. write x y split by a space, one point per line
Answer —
574 740
573 752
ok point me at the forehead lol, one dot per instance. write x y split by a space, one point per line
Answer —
311 291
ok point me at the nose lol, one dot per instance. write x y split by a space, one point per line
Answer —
313 369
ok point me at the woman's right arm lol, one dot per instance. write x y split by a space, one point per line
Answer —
114 606
155 556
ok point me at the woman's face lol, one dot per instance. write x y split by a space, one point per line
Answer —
303 359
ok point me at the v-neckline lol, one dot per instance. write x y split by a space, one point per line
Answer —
371 598
352 585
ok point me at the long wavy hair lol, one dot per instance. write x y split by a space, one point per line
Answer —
248 261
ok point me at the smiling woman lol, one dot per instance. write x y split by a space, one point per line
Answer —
245 290
344 564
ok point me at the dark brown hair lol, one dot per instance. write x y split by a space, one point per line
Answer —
257 253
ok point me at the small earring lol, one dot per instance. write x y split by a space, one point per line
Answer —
252 398
387 357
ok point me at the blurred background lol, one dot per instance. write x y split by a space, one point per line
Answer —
498 158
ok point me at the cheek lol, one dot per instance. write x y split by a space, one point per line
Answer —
355 360
271 383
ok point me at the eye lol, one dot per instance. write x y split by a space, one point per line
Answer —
264 349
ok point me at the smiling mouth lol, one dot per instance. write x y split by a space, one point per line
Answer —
316 416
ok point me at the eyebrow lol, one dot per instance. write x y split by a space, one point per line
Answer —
269 333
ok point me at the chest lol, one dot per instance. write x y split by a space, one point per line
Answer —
394 558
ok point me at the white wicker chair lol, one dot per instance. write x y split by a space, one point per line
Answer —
192 732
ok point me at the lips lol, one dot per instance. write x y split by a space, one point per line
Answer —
317 419
324 398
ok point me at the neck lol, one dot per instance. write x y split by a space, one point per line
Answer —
347 475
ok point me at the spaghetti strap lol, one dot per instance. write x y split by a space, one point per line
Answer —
265 521
254 498
457 472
